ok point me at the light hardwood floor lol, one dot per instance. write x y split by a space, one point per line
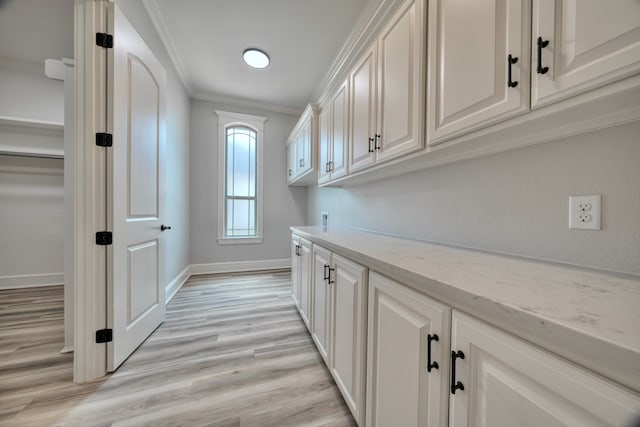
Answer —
233 351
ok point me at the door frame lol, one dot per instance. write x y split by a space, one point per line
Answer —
90 194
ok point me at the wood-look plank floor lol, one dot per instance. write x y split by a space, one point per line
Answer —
233 351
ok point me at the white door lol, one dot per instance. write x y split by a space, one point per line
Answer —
474 48
509 382
339 131
363 112
349 333
136 304
587 44
402 391
321 301
305 282
291 161
401 77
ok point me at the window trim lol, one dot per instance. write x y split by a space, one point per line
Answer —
256 123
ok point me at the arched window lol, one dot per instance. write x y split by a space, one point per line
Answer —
239 178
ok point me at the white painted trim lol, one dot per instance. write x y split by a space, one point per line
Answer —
239 266
239 240
31 280
67 349
158 22
175 285
89 360
55 69
243 103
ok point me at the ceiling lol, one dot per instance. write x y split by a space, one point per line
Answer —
206 39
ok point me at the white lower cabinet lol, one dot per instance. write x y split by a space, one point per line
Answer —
509 382
407 366
339 324
301 277
487 377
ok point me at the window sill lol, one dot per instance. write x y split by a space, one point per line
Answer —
239 240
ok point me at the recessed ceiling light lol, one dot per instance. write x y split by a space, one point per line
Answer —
255 58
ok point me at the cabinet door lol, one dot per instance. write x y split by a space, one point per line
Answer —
509 382
305 282
321 327
349 326
469 48
591 43
401 77
363 112
324 123
291 161
340 131
306 155
400 390
295 271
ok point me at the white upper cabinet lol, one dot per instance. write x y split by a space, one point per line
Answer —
363 111
479 64
584 44
334 136
302 149
387 91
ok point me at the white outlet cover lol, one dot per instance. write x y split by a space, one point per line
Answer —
585 219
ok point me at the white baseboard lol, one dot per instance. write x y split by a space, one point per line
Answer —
174 286
31 280
239 266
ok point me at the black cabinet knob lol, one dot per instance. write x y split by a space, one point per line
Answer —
165 227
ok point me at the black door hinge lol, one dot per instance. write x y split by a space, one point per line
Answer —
104 139
104 238
104 40
104 335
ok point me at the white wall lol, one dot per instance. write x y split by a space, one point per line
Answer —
283 206
27 93
31 221
177 150
515 202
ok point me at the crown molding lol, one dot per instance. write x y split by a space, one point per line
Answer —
364 33
158 22
244 103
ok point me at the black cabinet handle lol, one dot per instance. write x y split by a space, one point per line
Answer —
329 277
430 364
455 385
511 60
290 171
326 167
326 272
301 163
541 44
377 147
297 250
164 227
371 150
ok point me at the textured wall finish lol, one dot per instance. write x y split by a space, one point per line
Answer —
514 202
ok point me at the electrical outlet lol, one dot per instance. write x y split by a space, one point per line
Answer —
584 212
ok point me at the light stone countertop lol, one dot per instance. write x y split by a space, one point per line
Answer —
588 316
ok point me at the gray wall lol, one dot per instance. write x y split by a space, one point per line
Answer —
283 206
177 149
515 202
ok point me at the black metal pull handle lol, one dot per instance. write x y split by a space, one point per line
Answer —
511 60
326 167
431 365
541 44
377 147
297 250
326 272
329 277
301 163
455 385
290 172
371 150
164 227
